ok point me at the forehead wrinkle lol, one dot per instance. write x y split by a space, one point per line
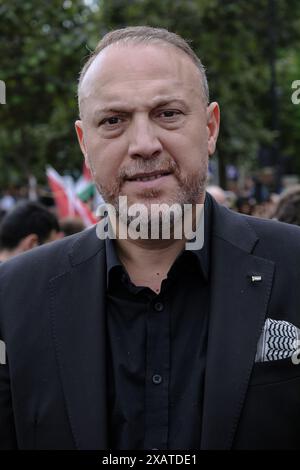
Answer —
98 76
154 103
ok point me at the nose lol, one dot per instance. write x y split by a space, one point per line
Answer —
144 141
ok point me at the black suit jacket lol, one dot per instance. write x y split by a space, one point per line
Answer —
52 319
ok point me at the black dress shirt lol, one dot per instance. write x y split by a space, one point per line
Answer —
156 352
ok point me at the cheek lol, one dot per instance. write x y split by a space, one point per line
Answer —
190 150
106 157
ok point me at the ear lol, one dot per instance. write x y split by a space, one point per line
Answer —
28 242
213 125
80 136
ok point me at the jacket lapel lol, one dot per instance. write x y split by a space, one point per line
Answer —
237 314
78 328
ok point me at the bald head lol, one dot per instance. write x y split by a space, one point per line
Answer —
133 36
141 62
217 193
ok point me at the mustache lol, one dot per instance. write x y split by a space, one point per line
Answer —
148 167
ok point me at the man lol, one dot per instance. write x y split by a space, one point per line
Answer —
26 226
141 343
71 225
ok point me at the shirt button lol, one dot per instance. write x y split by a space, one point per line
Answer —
158 306
157 379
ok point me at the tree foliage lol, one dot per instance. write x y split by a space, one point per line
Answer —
43 46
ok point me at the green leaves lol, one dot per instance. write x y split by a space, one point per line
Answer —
44 45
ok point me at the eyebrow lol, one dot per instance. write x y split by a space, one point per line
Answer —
118 107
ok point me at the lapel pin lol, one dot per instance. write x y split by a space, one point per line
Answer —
256 278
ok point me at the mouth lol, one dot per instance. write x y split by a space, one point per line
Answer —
148 176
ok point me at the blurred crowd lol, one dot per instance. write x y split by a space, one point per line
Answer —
28 220
260 195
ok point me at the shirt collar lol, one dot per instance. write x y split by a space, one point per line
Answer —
203 255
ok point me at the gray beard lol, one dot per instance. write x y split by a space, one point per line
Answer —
191 190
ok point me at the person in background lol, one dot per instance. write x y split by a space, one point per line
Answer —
71 225
245 205
218 194
288 206
26 226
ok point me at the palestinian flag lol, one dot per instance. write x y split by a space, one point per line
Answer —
67 202
85 188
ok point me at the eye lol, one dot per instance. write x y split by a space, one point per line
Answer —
169 118
169 114
111 121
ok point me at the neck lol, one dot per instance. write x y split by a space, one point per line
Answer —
148 263
149 254
148 260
